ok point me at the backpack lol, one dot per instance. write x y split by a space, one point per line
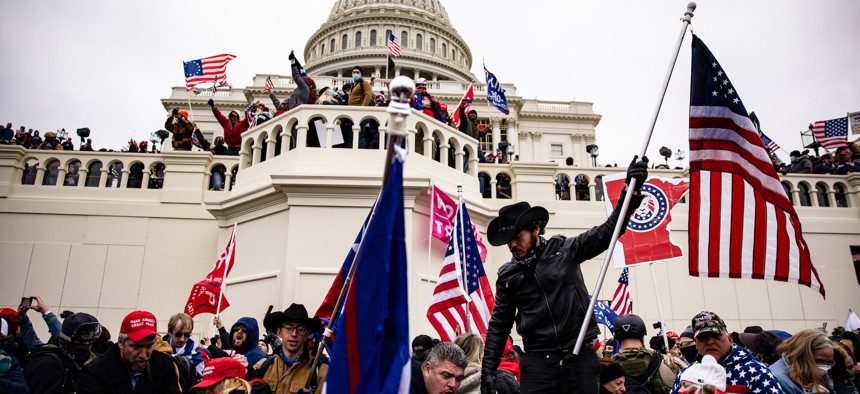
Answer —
644 383
187 374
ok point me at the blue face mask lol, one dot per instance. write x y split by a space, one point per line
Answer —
356 77
331 92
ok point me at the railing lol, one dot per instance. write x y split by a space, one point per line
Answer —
315 126
454 88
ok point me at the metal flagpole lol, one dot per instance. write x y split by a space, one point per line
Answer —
659 307
430 233
232 250
402 88
461 248
688 15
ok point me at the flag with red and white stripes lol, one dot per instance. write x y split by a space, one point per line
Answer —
741 223
462 302
393 45
621 303
831 134
269 85
207 69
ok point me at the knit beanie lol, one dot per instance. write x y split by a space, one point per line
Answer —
611 372
708 372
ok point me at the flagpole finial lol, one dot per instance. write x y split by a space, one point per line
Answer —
402 89
691 6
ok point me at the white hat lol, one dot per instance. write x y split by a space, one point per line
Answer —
4 327
420 81
706 372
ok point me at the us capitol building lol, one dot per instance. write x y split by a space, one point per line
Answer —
108 236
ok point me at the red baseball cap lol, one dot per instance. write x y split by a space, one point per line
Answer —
219 369
138 325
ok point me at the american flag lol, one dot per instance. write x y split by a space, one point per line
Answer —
447 312
741 223
393 45
831 134
621 303
206 70
771 146
268 86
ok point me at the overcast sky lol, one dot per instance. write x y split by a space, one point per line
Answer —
106 64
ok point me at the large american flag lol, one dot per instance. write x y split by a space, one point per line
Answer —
771 146
831 134
393 45
741 223
208 69
621 302
447 312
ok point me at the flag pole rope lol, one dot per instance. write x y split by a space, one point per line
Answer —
402 89
688 16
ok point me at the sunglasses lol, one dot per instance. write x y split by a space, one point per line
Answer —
181 334
237 329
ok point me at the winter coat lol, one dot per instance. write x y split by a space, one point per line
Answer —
250 349
181 133
545 292
361 94
109 374
434 110
51 372
803 165
31 339
303 94
471 383
466 125
232 132
12 380
779 369
744 374
283 378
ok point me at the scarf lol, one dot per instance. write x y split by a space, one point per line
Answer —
190 352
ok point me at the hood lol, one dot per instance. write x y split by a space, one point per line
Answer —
162 346
253 333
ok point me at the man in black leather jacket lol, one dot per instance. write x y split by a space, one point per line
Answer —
542 289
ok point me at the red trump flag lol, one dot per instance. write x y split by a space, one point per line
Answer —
206 296
648 237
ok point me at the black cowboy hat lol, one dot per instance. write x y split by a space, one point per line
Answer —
512 219
295 313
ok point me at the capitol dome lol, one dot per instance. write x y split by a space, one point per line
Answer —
356 34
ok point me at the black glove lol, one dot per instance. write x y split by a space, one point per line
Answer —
488 383
175 112
211 103
637 170
292 58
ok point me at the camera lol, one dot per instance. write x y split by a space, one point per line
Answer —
272 340
26 301
657 325
175 112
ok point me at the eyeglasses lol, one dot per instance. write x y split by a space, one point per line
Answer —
181 334
237 329
288 329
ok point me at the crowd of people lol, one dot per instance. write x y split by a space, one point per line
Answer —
30 139
843 160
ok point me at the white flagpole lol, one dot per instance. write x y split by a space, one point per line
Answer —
229 257
659 306
688 15
462 251
430 233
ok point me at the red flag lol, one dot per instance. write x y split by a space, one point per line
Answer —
648 237
205 295
465 102
443 212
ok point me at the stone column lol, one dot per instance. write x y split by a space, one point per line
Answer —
123 180
144 184
513 136
493 188
285 140
536 148
185 179
396 71
356 128
458 160
417 74
383 131
257 149
61 176
329 131
271 146
443 154
473 165
301 136
228 179
83 174
40 175
105 178
428 145
497 133
243 159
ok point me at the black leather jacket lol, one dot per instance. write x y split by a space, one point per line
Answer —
545 293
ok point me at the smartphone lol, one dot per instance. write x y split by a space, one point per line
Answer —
26 301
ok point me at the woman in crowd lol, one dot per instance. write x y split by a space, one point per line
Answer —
611 377
806 359
842 373
223 376
706 377
473 347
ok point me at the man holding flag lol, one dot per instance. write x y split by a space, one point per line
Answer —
543 290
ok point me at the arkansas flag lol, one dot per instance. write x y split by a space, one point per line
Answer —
443 212
466 103
206 296
648 237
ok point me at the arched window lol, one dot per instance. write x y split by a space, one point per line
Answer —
331 47
387 34
419 42
581 188
373 38
485 184
31 168
504 189
322 52
52 171
404 39
94 173
444 50
803 195
839 194
357 39
156 176
598 188
135 176
453 54
562 187
433 48
821 194
344 41
73 174
217 177
787 187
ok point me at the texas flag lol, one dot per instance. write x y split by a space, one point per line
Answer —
648 237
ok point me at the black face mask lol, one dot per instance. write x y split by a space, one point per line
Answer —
76 352
689 353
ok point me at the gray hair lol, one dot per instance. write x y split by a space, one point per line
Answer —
447 351
122 338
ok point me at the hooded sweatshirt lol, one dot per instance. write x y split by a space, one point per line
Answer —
250 349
